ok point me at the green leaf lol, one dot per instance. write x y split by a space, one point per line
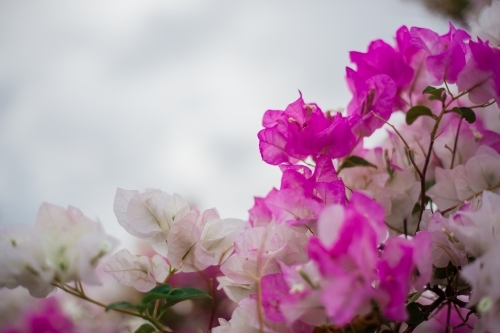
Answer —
353 161
159 292
415 315
430 89
415 297
438 94
428 185
120 305
466 113
171 296
416 208
417 111
177 296
146 328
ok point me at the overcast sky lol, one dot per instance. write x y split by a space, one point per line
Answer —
96 95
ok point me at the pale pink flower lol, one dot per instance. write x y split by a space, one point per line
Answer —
140 272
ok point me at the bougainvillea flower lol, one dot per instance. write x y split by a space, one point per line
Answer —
381 58
481 75
446 53
303 130
374 95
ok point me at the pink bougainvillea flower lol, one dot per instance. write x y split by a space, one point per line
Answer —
328 187
348 272
374 95
303 130
245 320
260 215
381 58
291 206
446 53
303 299
395 270
272 144
481 75
258 250
301 197
273 288
320 135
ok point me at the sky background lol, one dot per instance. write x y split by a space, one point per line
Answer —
96 95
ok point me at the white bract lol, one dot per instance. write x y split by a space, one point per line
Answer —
63 246
140 272
466 181
244 320
189 239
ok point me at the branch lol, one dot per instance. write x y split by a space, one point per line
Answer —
404 142
81 294
429 151
481 105
455 143
447 210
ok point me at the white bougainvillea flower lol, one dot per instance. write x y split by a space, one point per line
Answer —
191 240
140 272
482 275
258 251
462 182
63 246
209 241
245 320
236 291
483 230
22 262
445 246
149 215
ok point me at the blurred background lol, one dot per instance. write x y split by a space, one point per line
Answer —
96 95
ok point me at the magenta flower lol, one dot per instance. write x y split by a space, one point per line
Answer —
382 58
374 95
301 197
348 272
481 76
272 146
327 185
47 317
303 130
274 289
446 53
395 270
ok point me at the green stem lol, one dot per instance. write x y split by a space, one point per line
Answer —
81 294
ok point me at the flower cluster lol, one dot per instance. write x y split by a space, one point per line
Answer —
63 246
414 216
402 237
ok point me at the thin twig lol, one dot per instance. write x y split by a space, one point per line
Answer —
455 144
481 105
404 142
82 295
214 304
429 151
449 329
155 311
447 210
464 322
